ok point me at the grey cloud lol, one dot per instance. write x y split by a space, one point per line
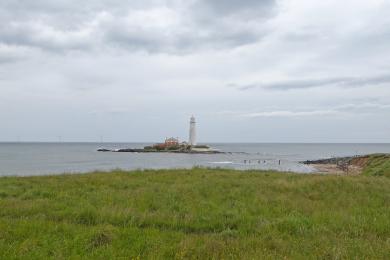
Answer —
72 7
43 37
177 42
71 25
286 113
303 36
4 58
231 23
244 8
62 59
363 107
369 81
347 109
11 54
316 83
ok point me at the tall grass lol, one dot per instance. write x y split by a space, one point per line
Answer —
378 165
198 213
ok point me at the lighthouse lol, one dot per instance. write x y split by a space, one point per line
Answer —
192 139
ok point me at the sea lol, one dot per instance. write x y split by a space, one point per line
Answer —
28 159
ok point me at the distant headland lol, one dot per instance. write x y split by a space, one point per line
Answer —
172 145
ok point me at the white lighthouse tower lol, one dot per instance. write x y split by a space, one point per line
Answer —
192 139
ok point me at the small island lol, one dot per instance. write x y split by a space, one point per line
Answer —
172 145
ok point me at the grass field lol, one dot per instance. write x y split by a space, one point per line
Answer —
198 213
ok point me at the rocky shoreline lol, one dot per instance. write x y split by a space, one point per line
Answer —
350 165
333 160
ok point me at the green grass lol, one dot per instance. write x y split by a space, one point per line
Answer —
378 165
198 213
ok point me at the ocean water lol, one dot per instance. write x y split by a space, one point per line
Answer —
25 159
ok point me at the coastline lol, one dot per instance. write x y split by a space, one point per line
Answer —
333 169
48 159
351 165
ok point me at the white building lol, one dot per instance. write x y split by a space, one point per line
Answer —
192 139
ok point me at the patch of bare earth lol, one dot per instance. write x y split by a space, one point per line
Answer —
336 170
360 161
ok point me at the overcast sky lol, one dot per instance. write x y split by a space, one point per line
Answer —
249 70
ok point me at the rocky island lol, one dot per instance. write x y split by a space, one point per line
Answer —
161 148
172 145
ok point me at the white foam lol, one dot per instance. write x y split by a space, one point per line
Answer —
227 162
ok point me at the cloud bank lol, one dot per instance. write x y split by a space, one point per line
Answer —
151 26
137 70
317 83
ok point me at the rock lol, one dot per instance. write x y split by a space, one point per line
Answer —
103 150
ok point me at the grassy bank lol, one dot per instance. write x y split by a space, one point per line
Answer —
195 213
377 165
